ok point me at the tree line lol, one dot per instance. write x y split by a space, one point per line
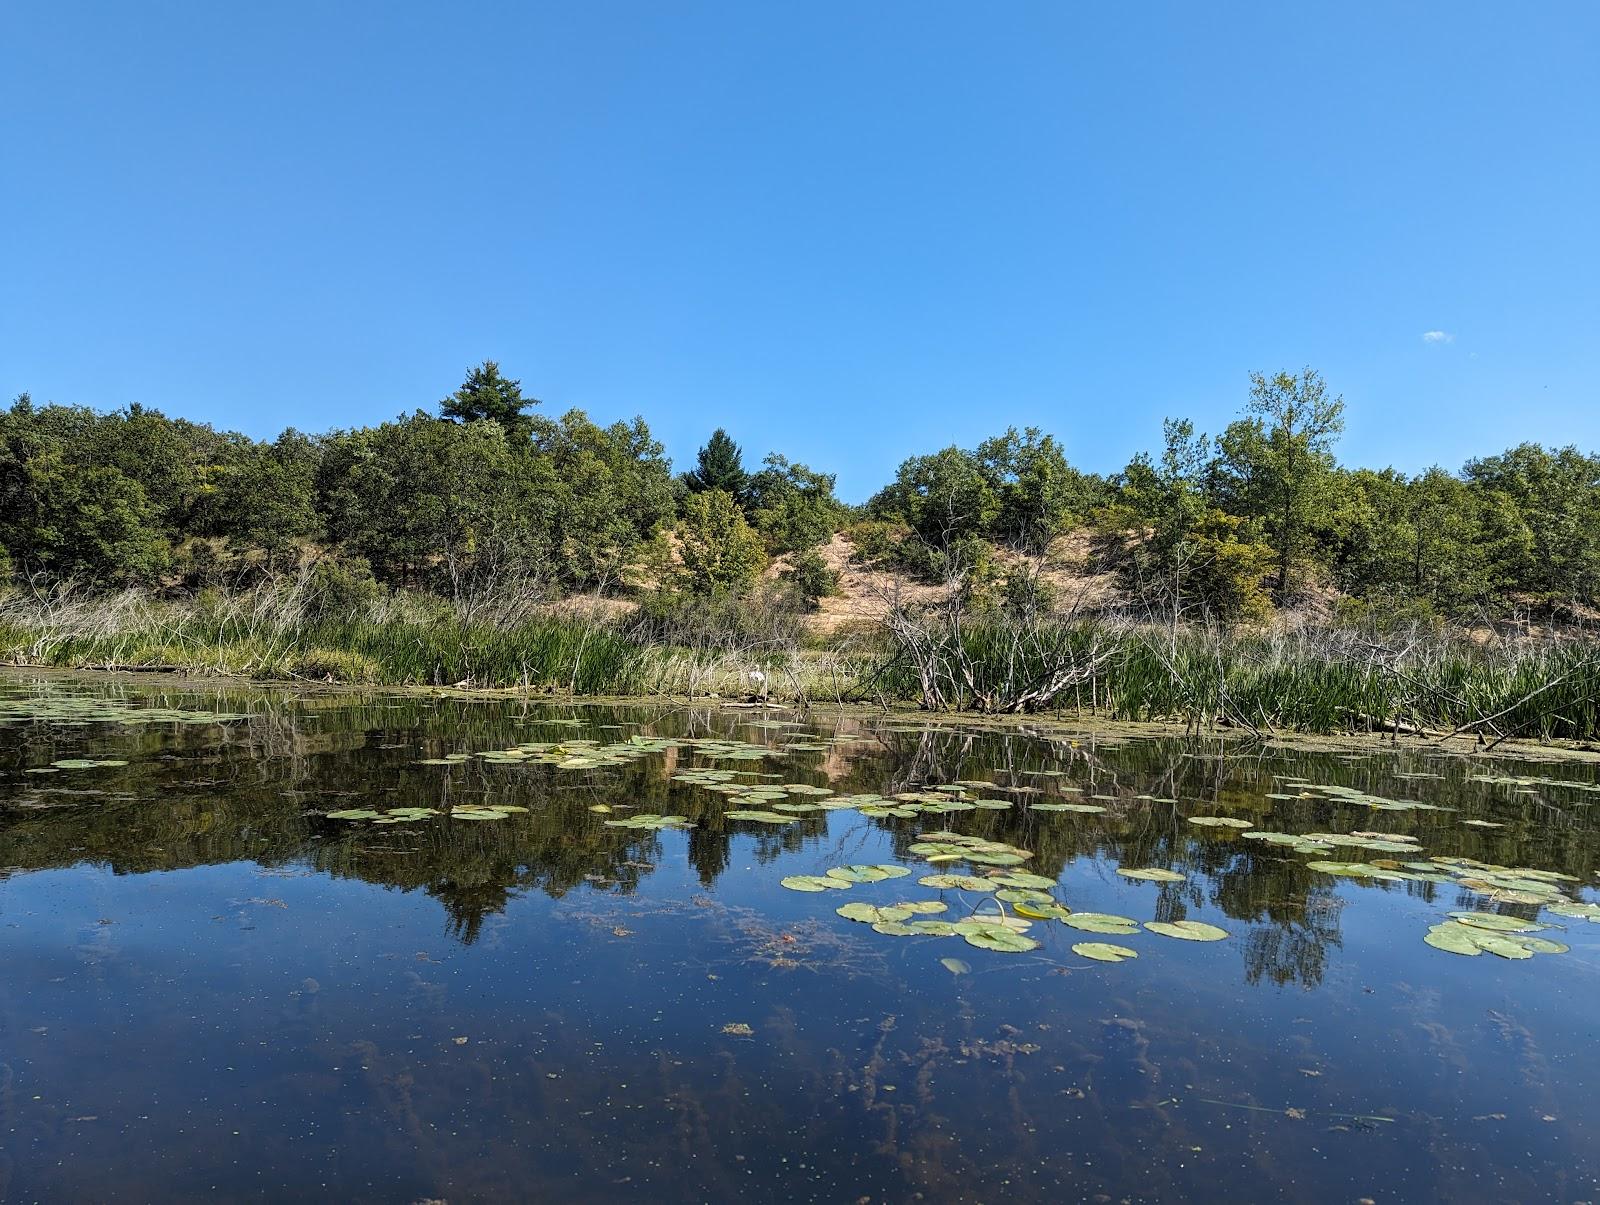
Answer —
486 494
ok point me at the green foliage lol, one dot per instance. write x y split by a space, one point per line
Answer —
812 579
1015 489
335 665
719 466
760 619
1551 547
341 590
1026 595
268 501
720 552
90 522
1428 539
1174 551
1276 465
875 541
492 500
793 507
488 396
1039 494
946 499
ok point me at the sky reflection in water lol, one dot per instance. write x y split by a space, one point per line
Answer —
213 991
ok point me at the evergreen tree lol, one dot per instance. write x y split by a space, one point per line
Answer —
485 394
719 466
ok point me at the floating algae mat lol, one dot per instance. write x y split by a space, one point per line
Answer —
260 944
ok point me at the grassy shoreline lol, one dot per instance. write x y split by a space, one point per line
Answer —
1324 681
1052 725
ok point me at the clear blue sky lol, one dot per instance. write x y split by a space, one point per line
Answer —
847 231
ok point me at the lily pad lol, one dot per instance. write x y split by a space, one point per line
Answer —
1047 909
651 821
1021 878
812 882
760 817
1495 921
1356 870
1104 951
934 928
1101 922
872 914
1154 874
957 882
867 874
1590 912
1187 930
998 937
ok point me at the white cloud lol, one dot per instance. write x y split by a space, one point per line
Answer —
1438 337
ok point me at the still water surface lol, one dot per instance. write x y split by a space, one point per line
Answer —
211 990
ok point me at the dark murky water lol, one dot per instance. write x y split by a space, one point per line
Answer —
210 990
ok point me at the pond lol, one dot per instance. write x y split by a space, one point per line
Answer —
260 944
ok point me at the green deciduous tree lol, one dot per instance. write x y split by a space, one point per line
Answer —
720 552
89 522
270 498
1177 553
1276 464
1039 494
793 507
1555 497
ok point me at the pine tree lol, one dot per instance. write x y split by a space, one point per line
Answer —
719 466
485 394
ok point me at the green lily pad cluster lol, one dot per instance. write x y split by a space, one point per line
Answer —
841 878
650 820
1342 794
1529 785
1588 912
1501 884
499 811
404 815
944 847
1359 870
1299 844
760 816
956 882
74 710
1320 843
876 873
873 914
1004 933
577 753
1474 933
